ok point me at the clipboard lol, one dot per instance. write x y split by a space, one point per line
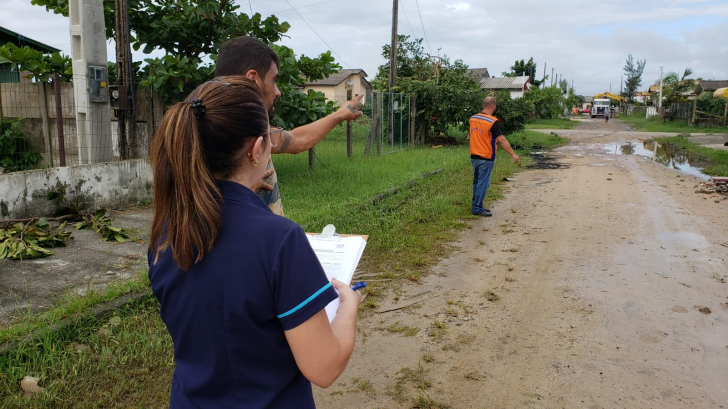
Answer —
339 256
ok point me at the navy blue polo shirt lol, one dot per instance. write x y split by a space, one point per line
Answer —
227 314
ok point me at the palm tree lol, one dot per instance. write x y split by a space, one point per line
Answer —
675 87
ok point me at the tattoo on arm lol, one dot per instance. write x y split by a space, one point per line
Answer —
352 108
286 142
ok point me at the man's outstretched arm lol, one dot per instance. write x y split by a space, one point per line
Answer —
503 142
307 136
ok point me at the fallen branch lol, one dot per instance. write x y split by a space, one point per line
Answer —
33 219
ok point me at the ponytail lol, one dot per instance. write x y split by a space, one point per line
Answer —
184 190
198 141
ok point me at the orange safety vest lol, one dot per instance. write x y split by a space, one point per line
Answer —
482 142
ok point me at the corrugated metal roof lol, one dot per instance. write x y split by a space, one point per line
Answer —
339 77
509 83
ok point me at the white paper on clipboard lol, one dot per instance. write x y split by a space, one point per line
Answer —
339 256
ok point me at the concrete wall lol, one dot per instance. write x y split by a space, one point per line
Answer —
103 185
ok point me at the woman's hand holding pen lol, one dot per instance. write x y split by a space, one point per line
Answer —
346 294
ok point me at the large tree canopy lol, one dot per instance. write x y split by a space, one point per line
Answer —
191 31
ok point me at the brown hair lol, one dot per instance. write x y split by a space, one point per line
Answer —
198 141
241 54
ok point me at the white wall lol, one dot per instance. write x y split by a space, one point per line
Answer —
102 185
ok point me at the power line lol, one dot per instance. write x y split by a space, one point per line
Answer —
317 34
303 7
251 8
423 26
407 18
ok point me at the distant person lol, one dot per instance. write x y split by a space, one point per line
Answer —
606 114
485 135
249 57
240 289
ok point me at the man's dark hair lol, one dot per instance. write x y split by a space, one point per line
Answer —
242 54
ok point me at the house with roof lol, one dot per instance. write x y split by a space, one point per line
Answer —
515 85
477 74
8 70
343 86
709 87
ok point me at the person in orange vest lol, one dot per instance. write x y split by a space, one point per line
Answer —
485 136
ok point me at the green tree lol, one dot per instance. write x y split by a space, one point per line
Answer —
633 70
41 66
675 87
191 31
522 68
547 101
445 95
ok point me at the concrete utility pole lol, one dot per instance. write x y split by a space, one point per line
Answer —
393 49
544 70
552 77
90 81
659 101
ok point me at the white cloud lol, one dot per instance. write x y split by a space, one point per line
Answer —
460 6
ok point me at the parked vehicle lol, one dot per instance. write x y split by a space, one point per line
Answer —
586 110
598 107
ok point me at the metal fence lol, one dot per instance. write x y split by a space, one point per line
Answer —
42 126
392 122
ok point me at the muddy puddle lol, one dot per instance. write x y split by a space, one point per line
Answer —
666 154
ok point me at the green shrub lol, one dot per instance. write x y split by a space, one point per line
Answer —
15 152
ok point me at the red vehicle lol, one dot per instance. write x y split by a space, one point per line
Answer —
586 110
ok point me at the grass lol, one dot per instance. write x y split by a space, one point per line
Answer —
69 305
655 124
129 361
553 123
716 161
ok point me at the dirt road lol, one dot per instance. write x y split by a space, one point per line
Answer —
598 284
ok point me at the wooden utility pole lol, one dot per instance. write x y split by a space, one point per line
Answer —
123 74
393 49
392 75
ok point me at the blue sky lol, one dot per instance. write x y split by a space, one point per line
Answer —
586 42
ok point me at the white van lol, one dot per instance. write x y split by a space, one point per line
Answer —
598 107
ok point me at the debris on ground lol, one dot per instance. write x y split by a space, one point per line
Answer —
718 189
30 385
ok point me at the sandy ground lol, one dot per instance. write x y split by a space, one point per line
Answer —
610 276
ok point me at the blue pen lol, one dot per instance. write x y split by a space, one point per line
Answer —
359 285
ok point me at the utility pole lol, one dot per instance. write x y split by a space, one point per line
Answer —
123 76
552 77
393 49
659 101
544 70
392 71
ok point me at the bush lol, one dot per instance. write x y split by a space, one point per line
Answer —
15 152
512 113
708 103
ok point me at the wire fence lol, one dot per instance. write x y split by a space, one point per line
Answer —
392 122
44 125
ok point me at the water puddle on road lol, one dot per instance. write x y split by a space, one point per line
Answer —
665 154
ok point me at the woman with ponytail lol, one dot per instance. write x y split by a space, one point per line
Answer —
240 289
